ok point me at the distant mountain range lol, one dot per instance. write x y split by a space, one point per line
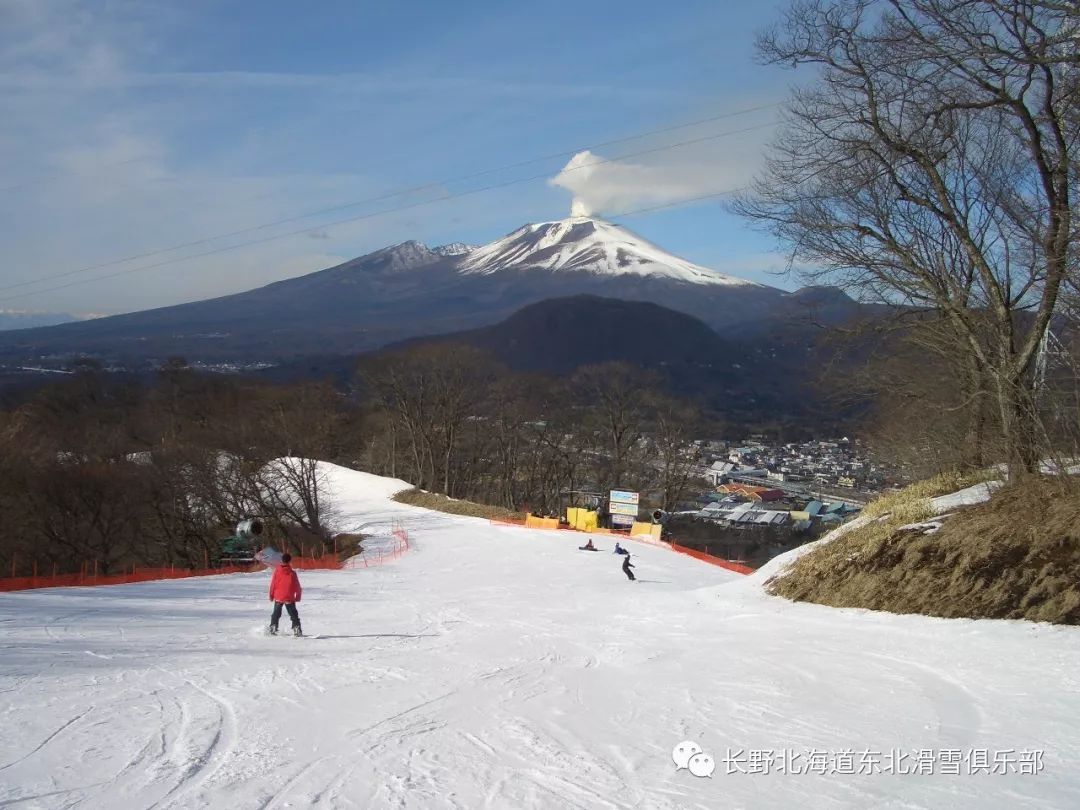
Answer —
17 319
410 290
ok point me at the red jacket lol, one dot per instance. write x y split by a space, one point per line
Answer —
285 584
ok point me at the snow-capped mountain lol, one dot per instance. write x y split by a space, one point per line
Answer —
409 290
402 256
587 245
454 249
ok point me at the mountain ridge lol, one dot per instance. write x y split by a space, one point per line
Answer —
409 290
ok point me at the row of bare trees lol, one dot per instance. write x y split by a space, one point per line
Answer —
119 474
450 420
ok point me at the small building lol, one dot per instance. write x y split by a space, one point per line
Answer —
770 495
719 471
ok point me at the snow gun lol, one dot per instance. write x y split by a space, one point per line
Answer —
239 547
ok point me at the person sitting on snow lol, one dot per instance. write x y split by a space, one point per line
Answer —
620 550
588 546
285 592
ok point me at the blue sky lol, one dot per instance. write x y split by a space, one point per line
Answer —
131 126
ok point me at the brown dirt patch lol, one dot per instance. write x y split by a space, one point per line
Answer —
1015 557
440 503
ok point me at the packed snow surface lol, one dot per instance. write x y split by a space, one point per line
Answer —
590 245
498 667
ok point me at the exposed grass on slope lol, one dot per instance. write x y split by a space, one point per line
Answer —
910 498
1015 557
440 503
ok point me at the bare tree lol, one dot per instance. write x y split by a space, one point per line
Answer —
933 165
614 398
673 423
432 390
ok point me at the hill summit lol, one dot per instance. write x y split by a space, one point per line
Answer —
590 245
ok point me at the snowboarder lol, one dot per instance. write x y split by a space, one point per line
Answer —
620 550
285 592
588 546
626 566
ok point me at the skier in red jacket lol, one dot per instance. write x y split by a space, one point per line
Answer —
285 591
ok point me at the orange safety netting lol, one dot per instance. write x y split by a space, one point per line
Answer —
366 560
89 576
739 568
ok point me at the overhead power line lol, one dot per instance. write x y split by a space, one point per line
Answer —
648 209
371 215
677 203
396 193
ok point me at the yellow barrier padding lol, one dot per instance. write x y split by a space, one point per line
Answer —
534 522
584 520
647 529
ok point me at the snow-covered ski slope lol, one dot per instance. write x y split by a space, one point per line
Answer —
497 667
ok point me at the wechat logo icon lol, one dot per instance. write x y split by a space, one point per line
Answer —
688 755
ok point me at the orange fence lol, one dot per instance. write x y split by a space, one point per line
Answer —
89 575
401 545
709 558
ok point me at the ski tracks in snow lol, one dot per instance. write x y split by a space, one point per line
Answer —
64 727
957 717
199 761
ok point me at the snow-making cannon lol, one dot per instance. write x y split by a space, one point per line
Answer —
239 548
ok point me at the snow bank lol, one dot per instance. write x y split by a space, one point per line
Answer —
352 489
979 493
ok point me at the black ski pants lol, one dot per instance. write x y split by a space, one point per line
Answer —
289 606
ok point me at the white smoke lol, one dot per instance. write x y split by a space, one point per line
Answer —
578 208
603 186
